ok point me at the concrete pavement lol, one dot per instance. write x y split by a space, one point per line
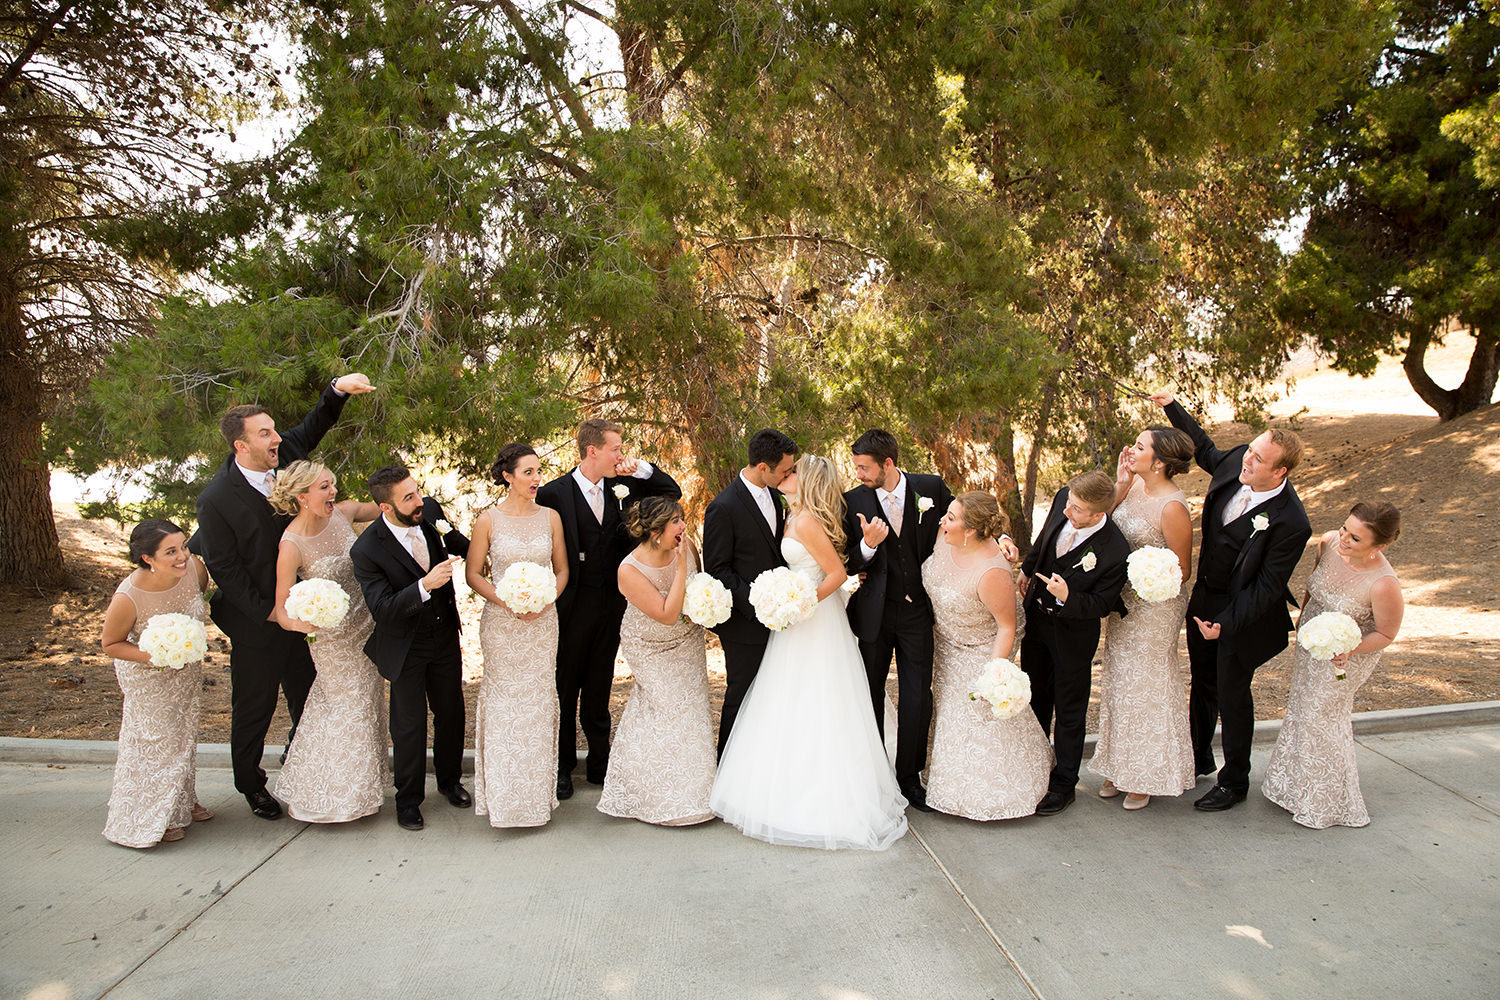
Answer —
1095 902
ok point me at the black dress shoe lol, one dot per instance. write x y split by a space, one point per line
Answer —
596 779
263 805
916 797
565 787
1218 799
409 818
1055 802
458 795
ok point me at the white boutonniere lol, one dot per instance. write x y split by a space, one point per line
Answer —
442 526
1089 561
1259 522
621 491
924 504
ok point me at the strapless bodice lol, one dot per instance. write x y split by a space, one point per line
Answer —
798 558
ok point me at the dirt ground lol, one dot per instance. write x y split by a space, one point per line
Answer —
1367 439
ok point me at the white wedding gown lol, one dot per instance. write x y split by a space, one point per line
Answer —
804 765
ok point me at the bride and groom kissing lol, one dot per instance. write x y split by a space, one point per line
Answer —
802 758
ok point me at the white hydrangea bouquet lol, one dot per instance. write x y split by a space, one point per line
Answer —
706 601
1328 635
1155 573
782 597
173 641
321 603
526 587
1005 686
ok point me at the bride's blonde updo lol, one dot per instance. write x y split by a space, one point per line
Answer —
294 481
820 492
982 514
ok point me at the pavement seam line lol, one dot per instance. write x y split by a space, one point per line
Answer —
977 915
1447 788
197 916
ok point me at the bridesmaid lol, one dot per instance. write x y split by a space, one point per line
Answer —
1145 747
662 766
515 727
1312 771
337 767
154 795
980 767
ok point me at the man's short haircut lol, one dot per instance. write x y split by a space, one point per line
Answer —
591 434
769 446
1290 445
384 480
232 424
1095 488
879 444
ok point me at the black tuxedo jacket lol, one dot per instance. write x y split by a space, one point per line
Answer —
388 576
1092 593
238 532
611 542
919 534
739 546
1251 567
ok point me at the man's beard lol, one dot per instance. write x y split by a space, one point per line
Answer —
408 520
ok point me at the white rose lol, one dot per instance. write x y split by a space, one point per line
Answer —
442 526
1088 562
1259 522
621 491
924 504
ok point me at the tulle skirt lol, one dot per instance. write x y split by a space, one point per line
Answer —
804 765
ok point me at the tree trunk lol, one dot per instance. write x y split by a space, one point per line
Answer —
29 550
1008 484
1478 386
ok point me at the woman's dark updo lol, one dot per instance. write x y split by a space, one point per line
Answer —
1172 448
510 457
1383 520
651 516
147 536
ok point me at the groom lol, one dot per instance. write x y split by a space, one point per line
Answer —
742 539
238 537
1254 530
891 612
402 564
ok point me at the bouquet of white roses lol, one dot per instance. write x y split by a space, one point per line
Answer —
1328 635
320 603
526 587
1005 686
1155 573
782 597
706 601
173 640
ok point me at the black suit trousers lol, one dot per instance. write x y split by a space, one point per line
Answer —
906 631
431 676
1220 690
1060 681
588 639
741 664
262 660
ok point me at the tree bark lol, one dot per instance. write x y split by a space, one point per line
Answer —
29 550
1478 386
1008 484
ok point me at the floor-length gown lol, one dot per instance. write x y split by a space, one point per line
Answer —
338 766
1312 771
804 765
1145 744
515 725
661 766
157 759
980 767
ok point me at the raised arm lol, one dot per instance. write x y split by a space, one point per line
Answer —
1205 453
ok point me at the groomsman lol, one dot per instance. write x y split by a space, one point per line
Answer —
892 521
237 538
1254 530
742 539
592 499
1076 571
402 564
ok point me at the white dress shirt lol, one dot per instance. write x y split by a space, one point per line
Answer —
257 479
1238 504
400 531
643 470
883 495
762 495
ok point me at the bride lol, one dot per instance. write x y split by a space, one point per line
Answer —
804 765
